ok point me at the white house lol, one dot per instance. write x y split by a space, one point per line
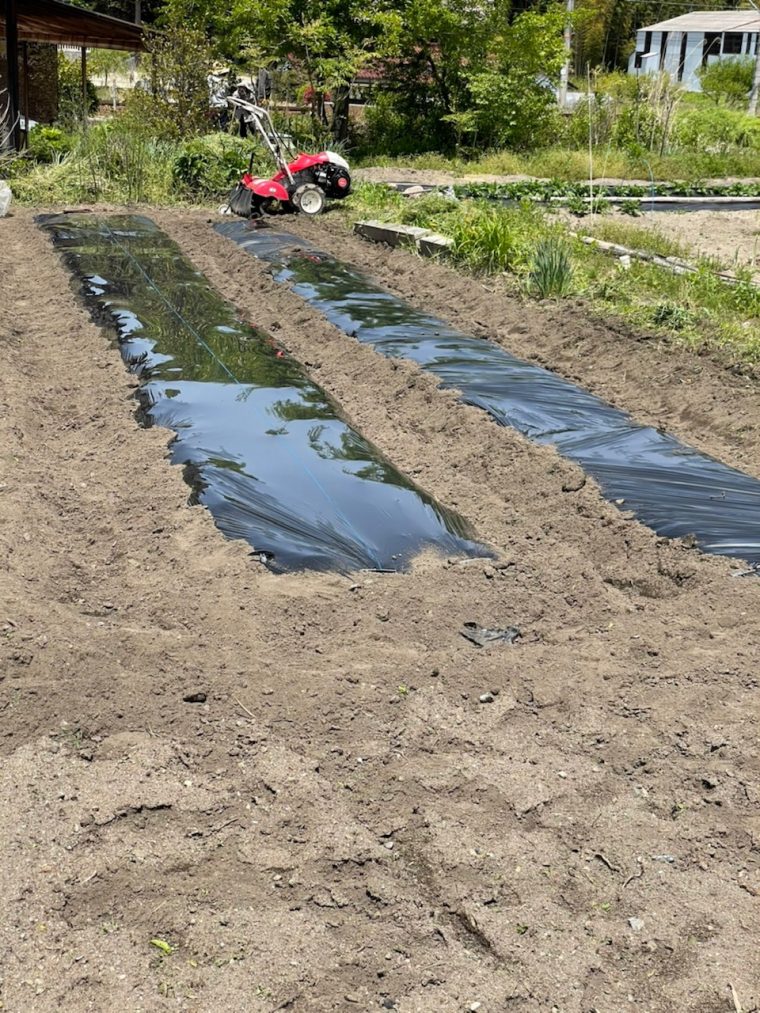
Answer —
682 45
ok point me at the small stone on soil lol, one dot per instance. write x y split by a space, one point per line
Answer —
486 698
636 924
197 697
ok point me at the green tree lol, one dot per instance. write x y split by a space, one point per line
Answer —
329 39
513 100
175 102
103 62
70 105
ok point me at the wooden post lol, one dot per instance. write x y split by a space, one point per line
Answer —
11 50
84 87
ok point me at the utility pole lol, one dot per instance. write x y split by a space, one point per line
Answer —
564 74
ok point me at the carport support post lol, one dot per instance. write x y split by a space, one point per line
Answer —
25 54
84 87
11 50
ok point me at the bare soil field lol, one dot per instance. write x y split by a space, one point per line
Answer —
733 237
290 781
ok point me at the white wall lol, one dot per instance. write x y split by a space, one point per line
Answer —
695 42
672 53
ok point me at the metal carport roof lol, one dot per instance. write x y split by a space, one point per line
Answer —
61 23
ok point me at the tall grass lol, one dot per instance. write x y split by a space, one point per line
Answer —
637 237
488 242
551 271
114 163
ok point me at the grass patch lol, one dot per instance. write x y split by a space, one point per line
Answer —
637 237
551 271
537 254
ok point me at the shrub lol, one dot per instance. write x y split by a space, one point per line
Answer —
174 102
48 144
208 166
716 129
728 81
70 92
394 127
304 133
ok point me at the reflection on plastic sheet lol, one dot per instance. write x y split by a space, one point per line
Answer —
264 448
666 484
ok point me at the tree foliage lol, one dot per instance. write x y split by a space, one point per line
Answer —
728 81
175 101
512 97
71 103
458 75
103 62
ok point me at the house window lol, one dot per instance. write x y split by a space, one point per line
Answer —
732 43
710 46
647 43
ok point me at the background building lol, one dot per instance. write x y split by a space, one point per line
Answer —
683 45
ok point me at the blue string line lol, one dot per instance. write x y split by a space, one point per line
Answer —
204 344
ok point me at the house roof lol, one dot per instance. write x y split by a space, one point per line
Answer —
709 21
60 23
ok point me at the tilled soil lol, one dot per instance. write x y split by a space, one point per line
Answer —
340 824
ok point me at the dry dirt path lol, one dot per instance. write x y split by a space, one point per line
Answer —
341 825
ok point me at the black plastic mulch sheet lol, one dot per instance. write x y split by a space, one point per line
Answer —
669 486
264 448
